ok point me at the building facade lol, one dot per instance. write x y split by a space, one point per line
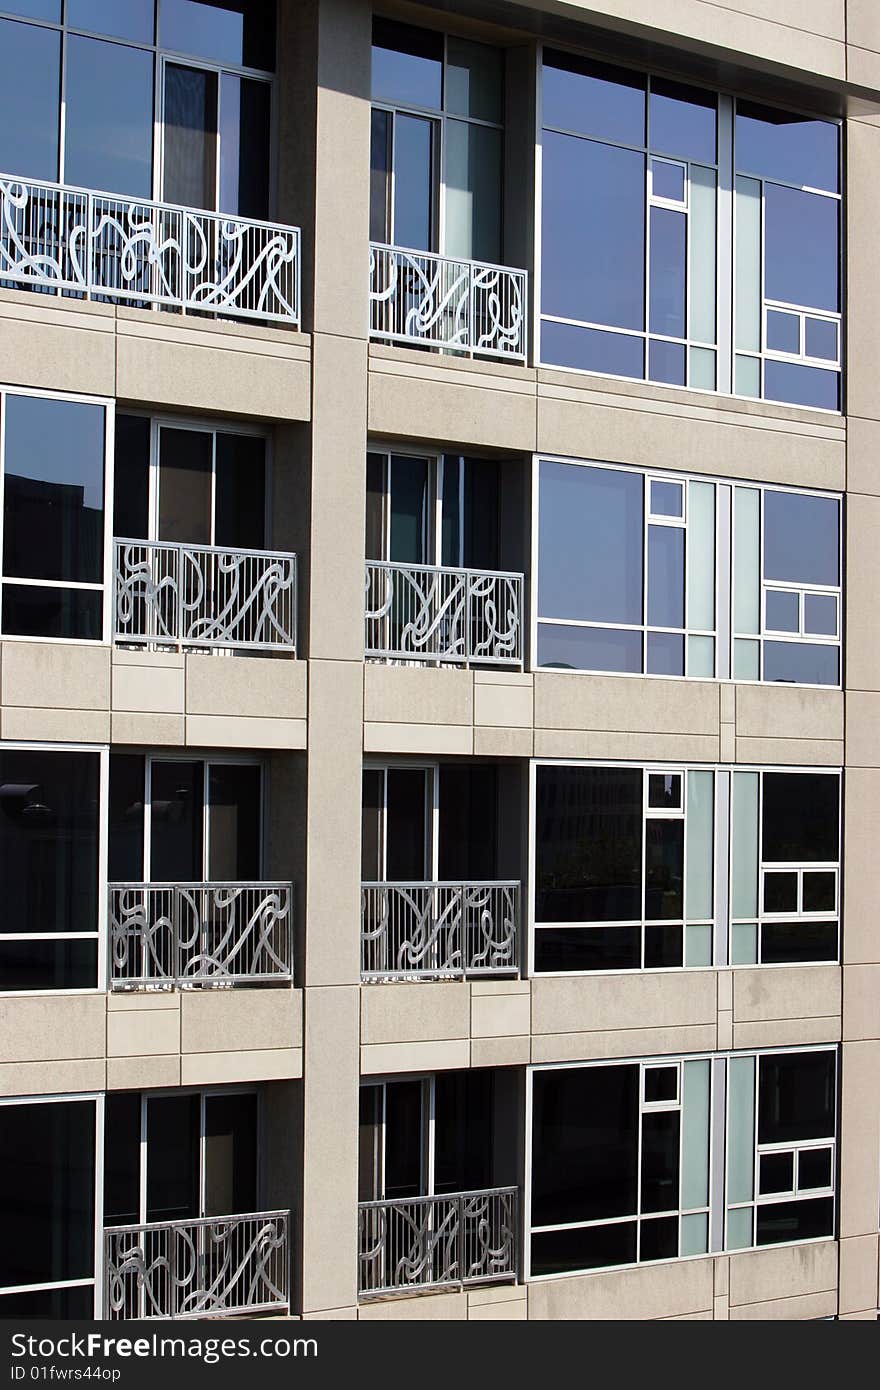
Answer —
429 903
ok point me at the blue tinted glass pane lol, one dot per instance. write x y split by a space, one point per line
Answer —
590 544
407 65
666 576
229 31
783 332
109 132
666 499
413 210
593 98
668 241
779 145
820 614
801 663
589 649
30 65
593 237
665 654
821 339
35 9
795 385
667 180
801 538
132 20
591 350
782 613
801 254
667 363
681 121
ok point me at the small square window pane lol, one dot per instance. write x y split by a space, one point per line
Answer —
776 1173
694 1234
783 332
820 892
748 377
821 339
668 181
782 611
667 363
667 499
661 1085
820 614
744 944
665 654
814 1169
701 656
664 791
698 945
739 1228
745 660
702 369
780 892
664 947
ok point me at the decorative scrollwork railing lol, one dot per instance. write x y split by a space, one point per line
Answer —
199 933
434 614
439 929
428 1242
213 1267
203 596
466 306
74 241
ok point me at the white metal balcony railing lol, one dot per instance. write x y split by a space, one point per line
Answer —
466 306
428 1242
435 614
199 934
439 929
203 596
215 1266
75 241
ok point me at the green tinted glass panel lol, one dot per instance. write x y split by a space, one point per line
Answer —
747 377
739 1228
744 944
695 1135
702 254
701 657
745 844
694 1235
697 945
747 560
748 264
700 828
701 556
740 1129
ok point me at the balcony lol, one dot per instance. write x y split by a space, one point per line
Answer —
73 241
218 1266
433 614
437 1242
417 297
439 930
199 596
205 934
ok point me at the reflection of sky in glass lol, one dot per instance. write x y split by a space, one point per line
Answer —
590 544
109 129
30 61
56 442
801 258
801 539
779 145
131 20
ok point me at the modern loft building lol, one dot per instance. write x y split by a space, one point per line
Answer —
440 676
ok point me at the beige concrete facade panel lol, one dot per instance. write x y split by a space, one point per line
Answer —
501 1051
624 1042
254 688
797 752
236 731
800 1308
607 1002
574 743
627 705
142 1073
389 1059
441 1307
423 1012
861 1002
254 1064
417 695
146 729
153 1032
862 587
57 344
858 1274
47 675
778 711
861 866
760 1276
862 716
56 725
147 688
786 992
239 1020
860 1139
428 740
658 1291
47 1028
451 402
500 1015
52 1078
863 307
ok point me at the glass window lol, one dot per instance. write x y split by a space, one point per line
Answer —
133 20
590 544
241 32
594 99
408 65
108 141
30 80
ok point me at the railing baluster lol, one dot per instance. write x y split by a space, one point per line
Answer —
431 1242
437 614
432 929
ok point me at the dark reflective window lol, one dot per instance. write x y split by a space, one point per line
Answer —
172 1157
682 121
414 182
190 136
230 1154
407 65
35 9
589 648
126 818
796 385
801 255
665 576
584 1247
240 492
801 538
593 268
185 485
587 948
108 141
588 844
664 869
131 476
779 1222
667 362
53 506
800 818
228 31
665 654
796 1097
32 611
244 146
801 663
585 1139
590 544
235 793
659 1180
668 272
463 1103
790 942
47 1193
30 80
592 349
380 175
776 144
64 1303
122 1155
40 965
131 20
177 822
593 98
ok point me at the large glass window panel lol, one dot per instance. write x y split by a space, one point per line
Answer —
185 485
122 1157
588 844
570 949
747 560
592 349
593 242
682 120
800 820
584 1144
404 1154
593 98
744 831
30 80
700 844
49 841
778 1222
53 504
796 1097
35 9
668 272
410 501
801 538
660 1151
414 212
589 648
776 144
244 146
407 65
40 965
131 20
131 476
664 870
590 544
747 308
32 611
230 1154
473 191
126 818
108 136
796 385
190 137
234 822
666 576
474 80
241 32
381 125
741 1129
47 1193
695 1134
701 308
801 663
801 254
240 491
173 1180
701 556
177 822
